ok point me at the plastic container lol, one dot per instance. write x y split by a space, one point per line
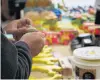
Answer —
86 63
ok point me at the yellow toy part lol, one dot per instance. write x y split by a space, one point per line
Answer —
41 55
49 61
78 29
46 46
64 38
47 49
56 76
46 52
49 38
32 78
50 70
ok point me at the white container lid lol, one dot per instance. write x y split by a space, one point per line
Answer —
83 35
87 53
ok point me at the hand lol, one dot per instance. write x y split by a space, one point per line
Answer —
18 28
35 42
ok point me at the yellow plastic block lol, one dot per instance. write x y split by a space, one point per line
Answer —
56 76
50 60
43 55
49 49
50 70
32 78
46 52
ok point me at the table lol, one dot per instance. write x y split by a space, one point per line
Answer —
62 51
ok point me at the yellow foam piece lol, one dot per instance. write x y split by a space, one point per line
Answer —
50 70
43 55
46 52
56 76
31 78
47 48
50 60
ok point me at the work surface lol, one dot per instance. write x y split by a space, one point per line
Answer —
61 51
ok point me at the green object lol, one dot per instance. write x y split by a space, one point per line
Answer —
77 22
50 22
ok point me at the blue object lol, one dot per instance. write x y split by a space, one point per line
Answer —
57 12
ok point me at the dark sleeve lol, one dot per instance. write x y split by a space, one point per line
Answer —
15 59
24 61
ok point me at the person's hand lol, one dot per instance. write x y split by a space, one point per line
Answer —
35 41
18 27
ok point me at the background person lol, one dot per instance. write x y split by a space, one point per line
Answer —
97 16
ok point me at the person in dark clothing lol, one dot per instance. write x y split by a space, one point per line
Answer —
11 8
97 16
19 5
16 57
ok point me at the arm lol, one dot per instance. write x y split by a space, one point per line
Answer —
24 61
15 60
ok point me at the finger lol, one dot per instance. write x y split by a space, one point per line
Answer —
19 25
26 21
22 22
22 30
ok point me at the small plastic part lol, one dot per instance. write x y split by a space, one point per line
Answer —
49 61
32 29
50 70
66 66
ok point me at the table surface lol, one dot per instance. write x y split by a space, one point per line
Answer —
62 51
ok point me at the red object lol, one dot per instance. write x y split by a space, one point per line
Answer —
91 31
86 27
71 36
97 31
66 43
54 40
61 33
55 37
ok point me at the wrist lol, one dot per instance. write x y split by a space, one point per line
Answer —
26 43
24 46
23 43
